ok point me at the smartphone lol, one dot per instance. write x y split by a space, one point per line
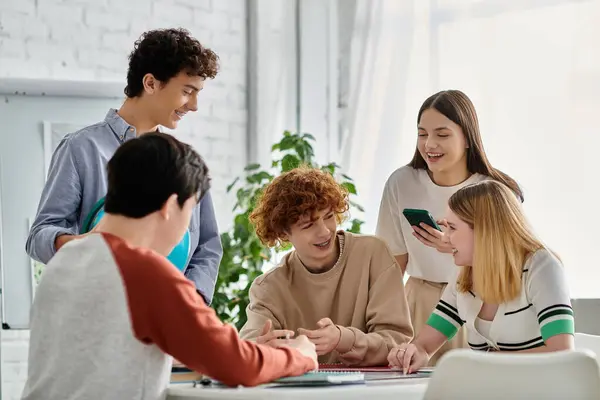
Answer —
416 216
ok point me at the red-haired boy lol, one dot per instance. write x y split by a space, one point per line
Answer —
344 291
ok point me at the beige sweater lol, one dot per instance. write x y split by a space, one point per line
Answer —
363 294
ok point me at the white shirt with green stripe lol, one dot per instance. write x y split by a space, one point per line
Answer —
542 310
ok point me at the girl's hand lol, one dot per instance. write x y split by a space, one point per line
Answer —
432 237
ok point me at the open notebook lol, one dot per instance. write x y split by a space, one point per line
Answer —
313 378
326 378
327 375
377 373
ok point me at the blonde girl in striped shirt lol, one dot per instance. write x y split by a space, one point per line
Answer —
510 293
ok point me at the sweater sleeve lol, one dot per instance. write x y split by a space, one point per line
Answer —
258 312
387 323
548 292
165 310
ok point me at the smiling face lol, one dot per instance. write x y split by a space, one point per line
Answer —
462 239
315 239
170 101
441 142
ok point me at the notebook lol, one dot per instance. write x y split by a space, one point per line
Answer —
378 373
345 368
312 378
323 378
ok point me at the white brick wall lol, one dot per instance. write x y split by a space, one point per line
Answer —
90 40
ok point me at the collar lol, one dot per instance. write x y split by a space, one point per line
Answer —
119 126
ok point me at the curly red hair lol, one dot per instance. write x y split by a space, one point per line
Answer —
301 191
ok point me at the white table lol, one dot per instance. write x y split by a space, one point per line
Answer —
409 389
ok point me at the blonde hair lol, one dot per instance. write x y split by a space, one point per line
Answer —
503 240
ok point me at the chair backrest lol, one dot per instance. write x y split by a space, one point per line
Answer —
468 374
588 342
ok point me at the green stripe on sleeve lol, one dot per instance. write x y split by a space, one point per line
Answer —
439 323
558 327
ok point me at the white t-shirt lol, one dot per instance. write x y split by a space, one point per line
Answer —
413 188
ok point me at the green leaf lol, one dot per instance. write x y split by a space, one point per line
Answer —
286 133
287 143
301 152
289 162
349 187
357 206
346 177
356 225
308 149
328 168
252 167
232 184
308 136
259 177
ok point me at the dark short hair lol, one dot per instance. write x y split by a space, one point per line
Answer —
165 53
144 172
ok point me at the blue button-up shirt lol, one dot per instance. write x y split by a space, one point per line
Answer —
78 179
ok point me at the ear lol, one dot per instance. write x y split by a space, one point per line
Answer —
168 207
150 83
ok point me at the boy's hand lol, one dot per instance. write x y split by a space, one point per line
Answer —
273 338
326 338
304 346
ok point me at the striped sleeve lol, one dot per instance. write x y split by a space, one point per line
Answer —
549 293
445 317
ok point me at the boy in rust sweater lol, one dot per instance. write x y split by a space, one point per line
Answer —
115 338
343 291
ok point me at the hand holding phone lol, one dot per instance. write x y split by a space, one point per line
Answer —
427 230
417 216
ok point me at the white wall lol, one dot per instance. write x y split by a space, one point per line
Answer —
318 71
293 74
90 40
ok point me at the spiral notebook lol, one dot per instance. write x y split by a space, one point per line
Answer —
345 368
375 374
323 378
312 378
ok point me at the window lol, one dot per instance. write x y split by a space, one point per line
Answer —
534 74
532 69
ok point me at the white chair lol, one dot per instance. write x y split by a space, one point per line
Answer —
468 374
588 342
